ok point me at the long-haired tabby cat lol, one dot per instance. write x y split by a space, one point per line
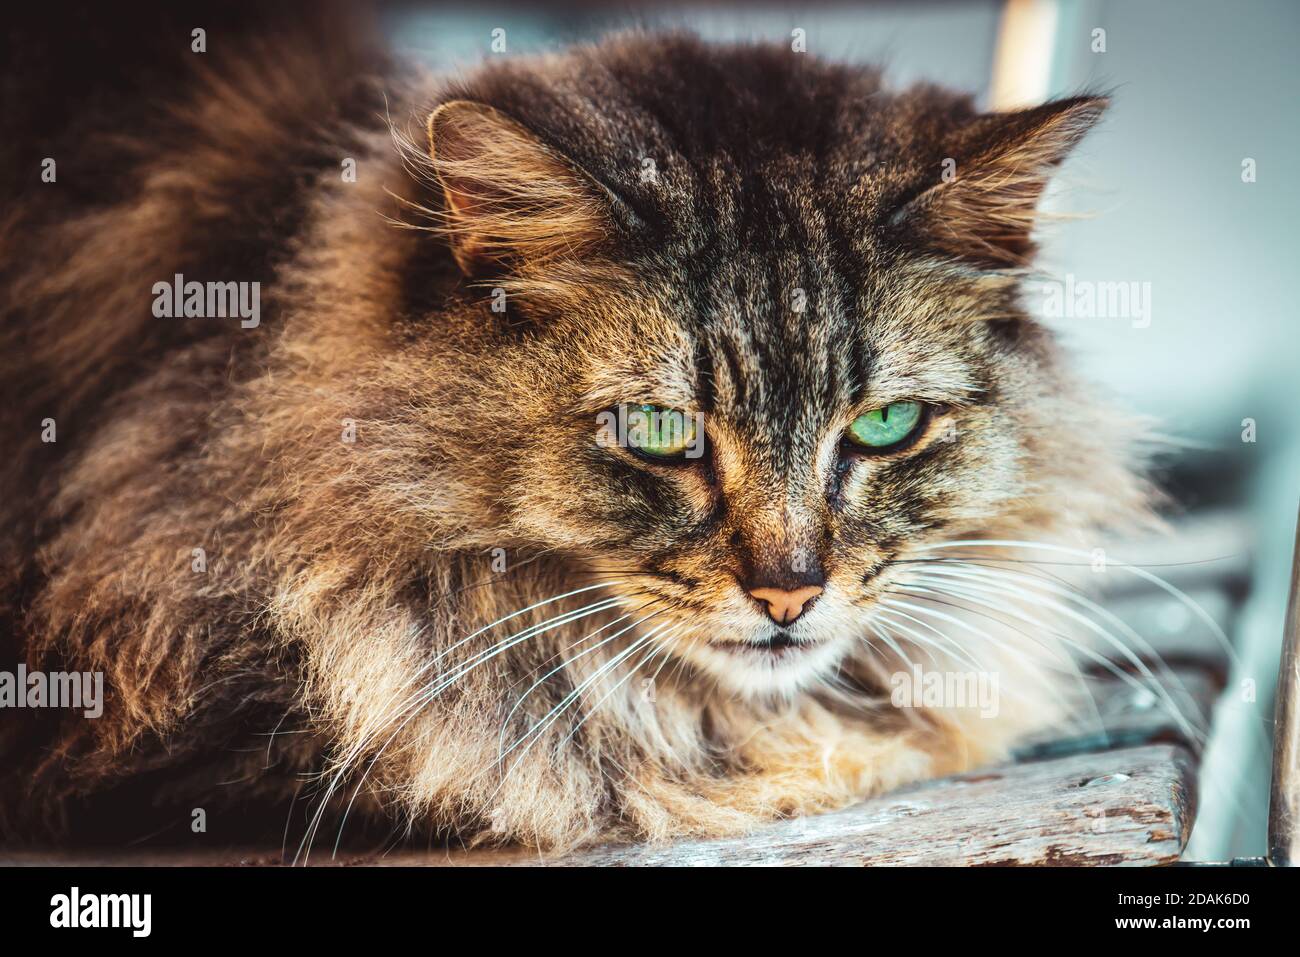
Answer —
585 468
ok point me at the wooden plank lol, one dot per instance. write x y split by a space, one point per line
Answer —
1284 794
1133 806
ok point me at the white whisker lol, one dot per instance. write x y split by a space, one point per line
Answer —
564 664
538 729
976 594
1003 581
622 681
1002 576
957 649
415 704
935 593
1142 573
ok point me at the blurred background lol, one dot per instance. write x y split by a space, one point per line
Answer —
1187 193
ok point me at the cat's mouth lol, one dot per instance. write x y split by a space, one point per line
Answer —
779 644
767 660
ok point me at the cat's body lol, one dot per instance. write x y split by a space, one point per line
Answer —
385 466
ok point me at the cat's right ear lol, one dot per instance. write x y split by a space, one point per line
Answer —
1001 163
507 196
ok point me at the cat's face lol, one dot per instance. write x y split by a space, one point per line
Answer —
784 476
748 407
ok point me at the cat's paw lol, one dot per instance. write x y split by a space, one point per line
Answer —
808 764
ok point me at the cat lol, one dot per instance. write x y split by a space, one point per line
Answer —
588 470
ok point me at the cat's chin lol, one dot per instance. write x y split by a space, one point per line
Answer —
778 665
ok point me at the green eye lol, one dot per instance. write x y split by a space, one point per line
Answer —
660 433
882 428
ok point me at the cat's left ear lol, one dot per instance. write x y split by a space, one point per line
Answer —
507 196
985 207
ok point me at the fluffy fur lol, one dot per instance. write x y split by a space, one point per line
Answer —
794 260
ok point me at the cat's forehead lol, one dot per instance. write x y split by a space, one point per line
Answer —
689 133
780 342
793 353
775 335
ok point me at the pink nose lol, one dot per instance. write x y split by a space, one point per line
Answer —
785 606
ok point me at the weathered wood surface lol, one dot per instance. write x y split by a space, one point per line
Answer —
1133 806
1120 807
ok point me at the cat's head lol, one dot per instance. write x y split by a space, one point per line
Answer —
754 333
